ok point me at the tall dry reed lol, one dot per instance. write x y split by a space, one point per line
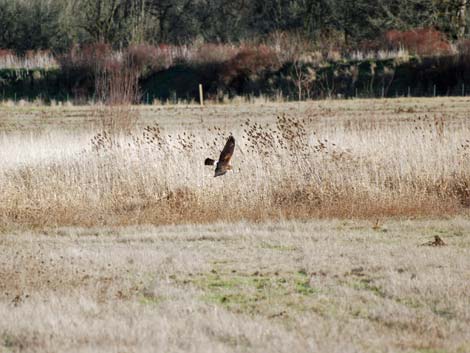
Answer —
288 168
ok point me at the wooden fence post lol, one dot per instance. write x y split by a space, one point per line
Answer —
201 96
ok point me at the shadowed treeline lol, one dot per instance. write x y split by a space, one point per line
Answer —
252 77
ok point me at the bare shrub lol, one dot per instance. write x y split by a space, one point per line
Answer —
293 46
90 58
420 41
302 55
148 58
249 61
212 53
115 79
114 74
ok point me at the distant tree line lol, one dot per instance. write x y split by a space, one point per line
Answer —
59 24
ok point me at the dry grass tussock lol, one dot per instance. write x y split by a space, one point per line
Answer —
43 59
286 167
321 286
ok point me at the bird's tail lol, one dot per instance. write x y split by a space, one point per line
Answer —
209 161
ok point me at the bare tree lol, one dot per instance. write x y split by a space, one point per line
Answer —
462 18
297 49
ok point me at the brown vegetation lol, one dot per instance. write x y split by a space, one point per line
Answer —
420 41
84 283
299 166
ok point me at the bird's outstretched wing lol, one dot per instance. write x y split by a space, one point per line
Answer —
227 152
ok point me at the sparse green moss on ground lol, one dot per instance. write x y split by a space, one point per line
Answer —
253 293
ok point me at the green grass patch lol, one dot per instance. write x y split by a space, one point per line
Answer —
151 299
278 247
255 293
368 285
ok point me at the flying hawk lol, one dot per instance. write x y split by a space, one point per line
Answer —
222 165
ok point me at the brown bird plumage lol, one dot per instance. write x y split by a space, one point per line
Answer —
222 165
436 242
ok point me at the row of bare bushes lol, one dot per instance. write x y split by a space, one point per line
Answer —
281 46
291 168
115 75
287 62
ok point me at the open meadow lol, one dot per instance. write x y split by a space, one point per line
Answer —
115 237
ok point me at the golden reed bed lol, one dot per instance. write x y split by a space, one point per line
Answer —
338 159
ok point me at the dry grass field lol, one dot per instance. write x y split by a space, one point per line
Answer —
347 159
115 237
316 286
